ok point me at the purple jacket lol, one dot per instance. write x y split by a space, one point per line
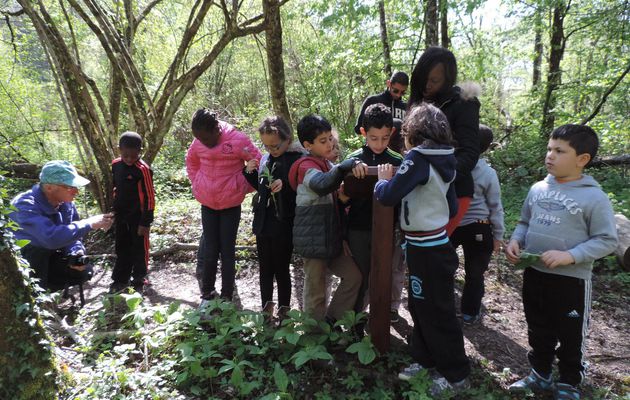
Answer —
46 226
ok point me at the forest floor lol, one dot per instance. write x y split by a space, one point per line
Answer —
497 345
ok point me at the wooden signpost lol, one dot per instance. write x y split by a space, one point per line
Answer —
382 251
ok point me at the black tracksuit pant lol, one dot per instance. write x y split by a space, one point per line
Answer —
477 241
437 339
274 257
557 309
132 252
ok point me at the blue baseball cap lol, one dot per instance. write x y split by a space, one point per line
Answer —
60 172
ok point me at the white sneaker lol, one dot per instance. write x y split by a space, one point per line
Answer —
441 385
409 372
204 313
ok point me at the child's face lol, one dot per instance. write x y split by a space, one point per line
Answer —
322 145
273 144
435 81
377 139
129 155
334 154
208 138
563 162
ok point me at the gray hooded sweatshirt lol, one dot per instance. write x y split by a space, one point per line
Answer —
574 216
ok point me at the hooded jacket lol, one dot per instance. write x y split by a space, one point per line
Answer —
398 107
461 107
486 203
273 216
423 186
317 226
46 226
216 173
573 216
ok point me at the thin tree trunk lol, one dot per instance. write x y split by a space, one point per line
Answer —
386 54
538 50
23 340
431 37
275 62
554 75
605 96
446 41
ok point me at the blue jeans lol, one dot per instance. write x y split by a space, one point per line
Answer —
217 240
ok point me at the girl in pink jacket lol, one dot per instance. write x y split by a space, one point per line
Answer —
214 163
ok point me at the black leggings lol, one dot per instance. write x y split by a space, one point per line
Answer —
218 239
274 257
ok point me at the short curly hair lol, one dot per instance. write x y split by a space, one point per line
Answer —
425 124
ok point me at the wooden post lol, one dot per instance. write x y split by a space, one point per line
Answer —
381 274
381 260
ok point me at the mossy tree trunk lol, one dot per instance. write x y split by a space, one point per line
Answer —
27 365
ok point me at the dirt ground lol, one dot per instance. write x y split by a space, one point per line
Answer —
498 344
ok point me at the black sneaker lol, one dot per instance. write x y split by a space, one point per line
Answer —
117 287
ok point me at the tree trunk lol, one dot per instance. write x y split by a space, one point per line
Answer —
623 247
27 366
446 41
275 62
554 75
538 50
97 116
386 54
431 27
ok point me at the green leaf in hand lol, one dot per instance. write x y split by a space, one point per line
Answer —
527 260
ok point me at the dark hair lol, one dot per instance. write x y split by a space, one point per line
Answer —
204 120
426 124
581 137
277 125
312 126
485 137
130 140
399 77
397 123
377 116
430 58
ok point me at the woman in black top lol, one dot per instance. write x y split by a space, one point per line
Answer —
433 81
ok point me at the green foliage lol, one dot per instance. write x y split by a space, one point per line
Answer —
231 352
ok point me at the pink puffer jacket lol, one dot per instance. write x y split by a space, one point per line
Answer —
216 173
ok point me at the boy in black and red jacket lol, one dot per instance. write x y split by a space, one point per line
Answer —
134 202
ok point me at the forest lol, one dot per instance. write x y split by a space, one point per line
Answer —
75 74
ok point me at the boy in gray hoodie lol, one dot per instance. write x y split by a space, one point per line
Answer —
480 231
568 221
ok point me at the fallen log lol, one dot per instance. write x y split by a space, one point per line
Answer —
609 161
623 246
172 249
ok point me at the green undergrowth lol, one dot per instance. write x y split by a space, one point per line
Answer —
135 351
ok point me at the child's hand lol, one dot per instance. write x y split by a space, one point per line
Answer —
360 170
346 249
143 230
513 251
556 258
496 244
251 165
276 186
341 194
385 171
